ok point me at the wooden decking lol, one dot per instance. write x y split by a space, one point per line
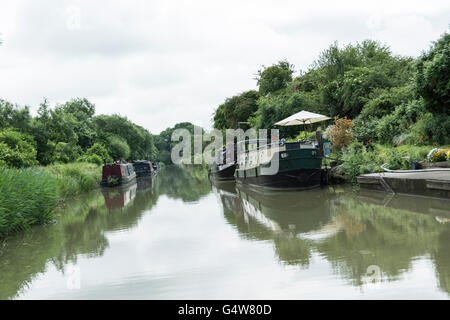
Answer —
424 183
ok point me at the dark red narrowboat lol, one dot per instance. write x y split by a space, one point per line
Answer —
117 173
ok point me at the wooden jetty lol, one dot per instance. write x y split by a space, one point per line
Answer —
434 183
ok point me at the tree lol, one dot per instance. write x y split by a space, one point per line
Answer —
236 109
17 149
118 148
275 77
433 76
12 116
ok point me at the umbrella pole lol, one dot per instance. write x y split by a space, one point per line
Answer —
304 128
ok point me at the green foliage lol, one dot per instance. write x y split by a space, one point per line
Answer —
66 152
75 178
71 131
138 139
358 160
27 197
164 144
12 116
433 76
118 147
93 158
98 149
275 108
17 149
236 109
275 77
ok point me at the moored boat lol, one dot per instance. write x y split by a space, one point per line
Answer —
225 164
299 164
144 168
117 173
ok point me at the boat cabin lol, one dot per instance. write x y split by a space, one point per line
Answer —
117 173
143 168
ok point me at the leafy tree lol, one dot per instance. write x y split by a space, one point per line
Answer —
11 116
66 152
236 109
17 149
433 76
138 139
275 77
98 149
118 148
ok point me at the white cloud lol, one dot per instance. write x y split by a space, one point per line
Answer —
163 62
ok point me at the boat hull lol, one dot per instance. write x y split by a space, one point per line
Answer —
298 179
224 174
120 181
298 169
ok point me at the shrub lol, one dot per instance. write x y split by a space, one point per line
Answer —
99 150
341 133
91 159
358 160
17 149
387 128
66 152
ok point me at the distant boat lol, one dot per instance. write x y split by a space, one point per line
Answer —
225 164
145 168
117 173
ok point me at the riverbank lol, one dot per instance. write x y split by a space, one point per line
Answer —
29 196
358 159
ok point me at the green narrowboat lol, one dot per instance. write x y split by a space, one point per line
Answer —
299 164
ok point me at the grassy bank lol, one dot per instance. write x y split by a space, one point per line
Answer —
28 196
360 159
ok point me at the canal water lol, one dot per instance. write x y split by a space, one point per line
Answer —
181 237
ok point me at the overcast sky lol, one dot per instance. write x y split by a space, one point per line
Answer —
164 62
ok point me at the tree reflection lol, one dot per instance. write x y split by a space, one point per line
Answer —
352 231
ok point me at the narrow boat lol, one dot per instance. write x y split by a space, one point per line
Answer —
225 164
144 168
299 164
117 173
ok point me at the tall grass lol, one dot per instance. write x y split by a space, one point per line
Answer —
75 178
27 197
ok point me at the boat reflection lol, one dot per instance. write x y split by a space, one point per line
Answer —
351 232
119 197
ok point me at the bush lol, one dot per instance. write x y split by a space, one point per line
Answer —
358 160
91 159
99 150
27 197
17 149
341 133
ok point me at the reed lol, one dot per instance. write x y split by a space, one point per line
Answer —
27 197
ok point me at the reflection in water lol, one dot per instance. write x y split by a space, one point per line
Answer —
354 232
168 238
